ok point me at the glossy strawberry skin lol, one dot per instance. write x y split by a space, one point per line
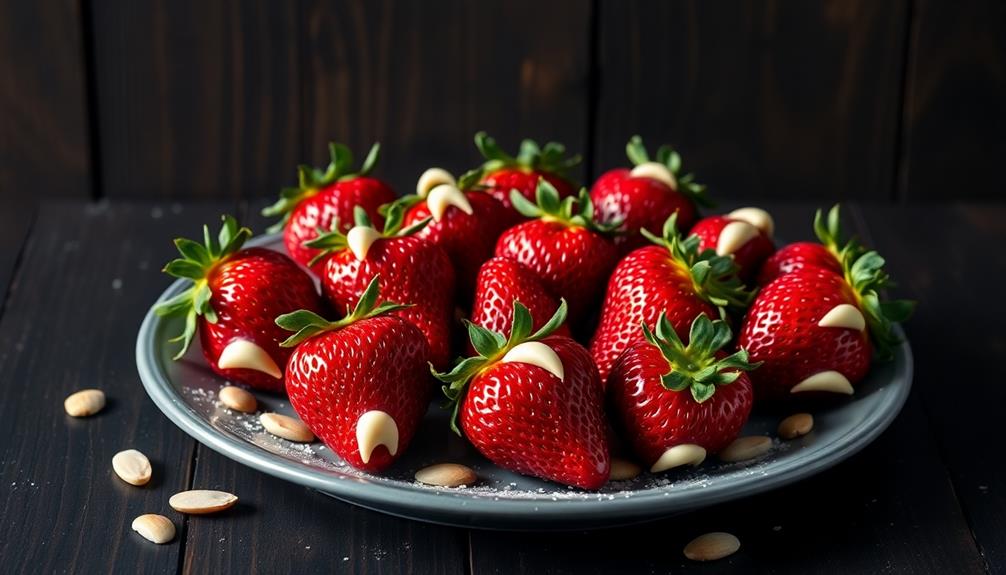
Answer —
525 419
780 329
329 204
572 262
638 203
645 282
500 182
250 289
653 418
377 363
413 271
468 240
795 257
748 257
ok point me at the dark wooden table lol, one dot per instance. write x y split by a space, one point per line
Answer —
76 278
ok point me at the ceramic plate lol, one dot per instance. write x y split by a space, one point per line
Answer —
185 391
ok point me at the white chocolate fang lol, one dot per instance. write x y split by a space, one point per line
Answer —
655 171
733 237
444 196
684 454
830 381
243 354
431 178
539 354
757 217
844 315
376 428
359 239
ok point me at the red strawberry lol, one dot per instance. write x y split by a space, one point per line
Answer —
502 173
673 277
532 403
644 197
234 297
324 198
362 383
825 255
744 234
570 253
812 329
500 283
412 270
676 403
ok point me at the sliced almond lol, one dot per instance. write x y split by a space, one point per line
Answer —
286 427
238 399
447 475
156 528
712 546
84 402
796 425
132 467
202 501
744 448
623 470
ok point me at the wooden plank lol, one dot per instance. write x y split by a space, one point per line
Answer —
763 100
44 141
197 99
950 259
954 114
890 508
15 220
88 275
292 529
423 77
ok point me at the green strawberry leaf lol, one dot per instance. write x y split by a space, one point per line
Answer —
550 158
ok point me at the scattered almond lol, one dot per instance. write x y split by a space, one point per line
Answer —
132 467
202 501
796 425
286 427
238 399
156 528
84 403
712 546
446 475
623 470
744 448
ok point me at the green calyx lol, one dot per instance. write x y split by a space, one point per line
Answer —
491 347
334 240
311 180
865 273
575 212
308 324
549 158
714 277
695 366
829 232
467 181
666 155
196 264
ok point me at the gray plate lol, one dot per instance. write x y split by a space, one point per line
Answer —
186 392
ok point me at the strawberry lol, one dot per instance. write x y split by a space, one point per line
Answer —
465 224
362 383
645 196
412 270
502 172
500 283
673 277
744 234
235 295
676 403
324 197
825 255
571 254
532 403
813 328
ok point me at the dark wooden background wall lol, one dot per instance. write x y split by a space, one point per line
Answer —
895 100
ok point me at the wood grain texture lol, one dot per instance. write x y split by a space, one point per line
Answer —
197 99
88 275
763 100
44 141
955 104
15 221
423 77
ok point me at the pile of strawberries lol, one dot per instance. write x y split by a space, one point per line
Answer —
533 269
